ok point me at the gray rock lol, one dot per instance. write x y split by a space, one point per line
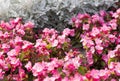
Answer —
50 13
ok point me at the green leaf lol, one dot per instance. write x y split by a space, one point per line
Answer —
48 46
82 70
103 63
30 77
59 69
111 60
21 56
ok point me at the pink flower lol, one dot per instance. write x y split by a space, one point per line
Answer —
3 64
118 40
113 24
6 35
95 31
115 15
92 50
38 69
73 19
72 64
17 20
40 42
37 79
49 79
49 33
98 41
12 53
86 26
2 24
104 74
65 79
55 43
105 29
89 58
77 77
112 38
77 23
118 47
95 75
103 13
87 42
118 11
21 31
117 69
21 74
43 50
99 49
111 66
111 54
28 25
28 66
5 47
61 39
68 31
1 55
14 62
18 40
27 45
113 80
96 18
105 58
1 74
1 34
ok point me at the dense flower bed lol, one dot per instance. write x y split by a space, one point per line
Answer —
49 55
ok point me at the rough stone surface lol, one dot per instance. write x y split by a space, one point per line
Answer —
50 13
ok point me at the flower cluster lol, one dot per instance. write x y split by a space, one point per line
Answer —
89 51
